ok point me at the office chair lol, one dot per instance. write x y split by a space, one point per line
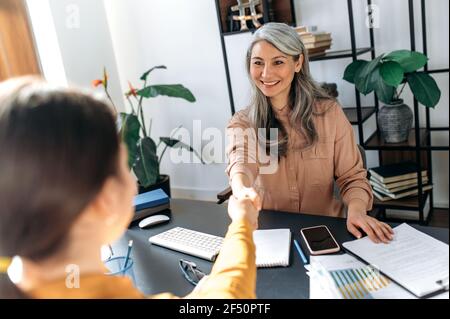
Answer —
226 193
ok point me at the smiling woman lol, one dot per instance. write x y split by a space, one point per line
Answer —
315 141
273 73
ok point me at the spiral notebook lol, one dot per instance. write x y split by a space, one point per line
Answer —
272 247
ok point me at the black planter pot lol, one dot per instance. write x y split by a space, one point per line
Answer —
395 122
163 183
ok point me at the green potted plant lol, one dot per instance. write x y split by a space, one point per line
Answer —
384 75
143 156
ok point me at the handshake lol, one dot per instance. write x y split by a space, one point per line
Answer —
245 204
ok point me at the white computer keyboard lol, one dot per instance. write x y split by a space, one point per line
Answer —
190 242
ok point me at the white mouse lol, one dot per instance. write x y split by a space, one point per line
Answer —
153 220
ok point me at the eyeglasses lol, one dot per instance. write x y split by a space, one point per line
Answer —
191 272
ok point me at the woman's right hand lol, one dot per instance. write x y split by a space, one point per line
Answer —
249 193
240 184
243 209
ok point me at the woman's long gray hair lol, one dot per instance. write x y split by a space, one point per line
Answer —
303 94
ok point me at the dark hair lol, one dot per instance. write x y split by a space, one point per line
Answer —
57 148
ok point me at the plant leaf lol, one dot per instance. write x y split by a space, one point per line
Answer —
146 166
352 69
174 143
171 142
172 90
383 91
363 77
392 73
410 61
424 88
145 75
129 132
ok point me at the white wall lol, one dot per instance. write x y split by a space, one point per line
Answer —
133 35
184 36
73 42
47 41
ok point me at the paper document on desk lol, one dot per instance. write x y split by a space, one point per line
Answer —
413 259
345 277
272 247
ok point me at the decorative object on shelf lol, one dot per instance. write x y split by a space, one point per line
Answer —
395 121
383 75
143 156
242 7
316 42
331 89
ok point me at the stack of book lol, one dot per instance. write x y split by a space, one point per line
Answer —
316 42
150 203
397 181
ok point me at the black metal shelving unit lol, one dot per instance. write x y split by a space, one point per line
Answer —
420 139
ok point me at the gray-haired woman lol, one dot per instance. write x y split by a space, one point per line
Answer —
315 143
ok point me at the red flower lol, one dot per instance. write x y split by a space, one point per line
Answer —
97 82
132 91
103 82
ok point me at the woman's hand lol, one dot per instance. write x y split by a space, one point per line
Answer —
249 193
243 209
241 190
357 219
376 230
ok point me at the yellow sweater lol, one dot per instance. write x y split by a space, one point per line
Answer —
232 276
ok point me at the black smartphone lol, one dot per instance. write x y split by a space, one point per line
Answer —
319 240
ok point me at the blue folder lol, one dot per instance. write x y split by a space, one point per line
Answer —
150 199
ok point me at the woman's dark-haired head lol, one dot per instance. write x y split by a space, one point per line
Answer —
60 156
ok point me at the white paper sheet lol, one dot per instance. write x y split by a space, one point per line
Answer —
413 259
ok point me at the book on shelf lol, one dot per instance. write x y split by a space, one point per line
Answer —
385 195
320 44
397 189
301 29
395 172
381 197
317 50
313 37
316 54
390 186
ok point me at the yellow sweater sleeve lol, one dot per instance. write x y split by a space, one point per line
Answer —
233 275
234 272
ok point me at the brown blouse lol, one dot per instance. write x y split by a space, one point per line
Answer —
304 179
